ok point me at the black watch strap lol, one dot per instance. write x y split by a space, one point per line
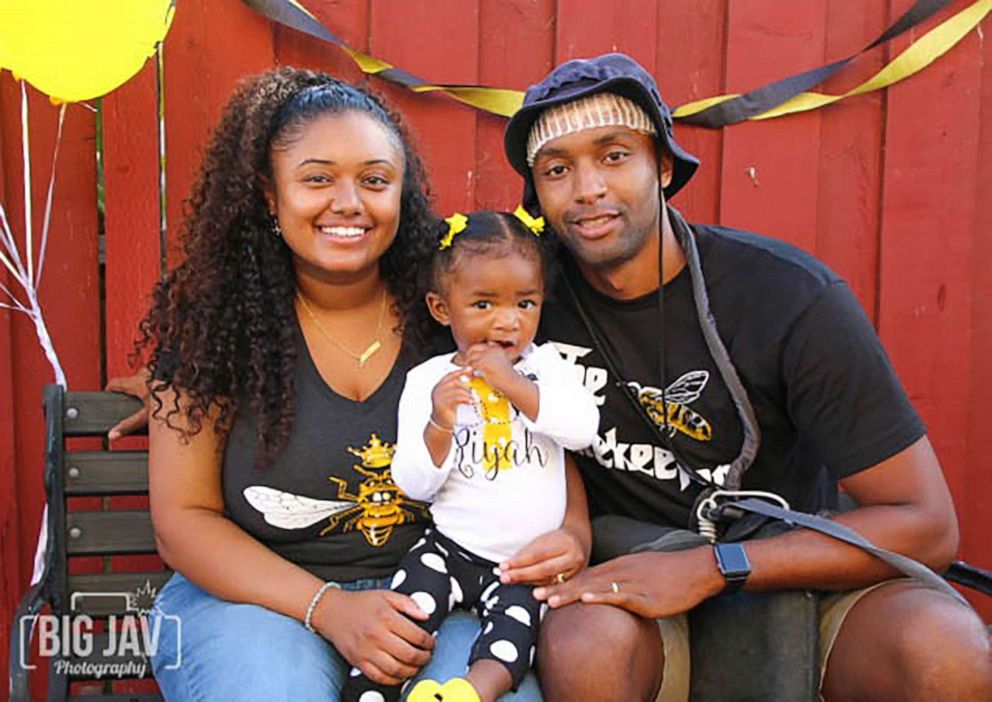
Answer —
733 563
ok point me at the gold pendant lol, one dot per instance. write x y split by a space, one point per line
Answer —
369 353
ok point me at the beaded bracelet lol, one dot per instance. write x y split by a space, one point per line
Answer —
430 420
311 608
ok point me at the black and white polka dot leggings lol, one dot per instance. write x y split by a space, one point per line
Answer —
439 576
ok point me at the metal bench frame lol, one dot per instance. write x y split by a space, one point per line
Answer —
105 532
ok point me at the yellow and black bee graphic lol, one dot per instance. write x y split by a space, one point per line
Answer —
378 507
678 395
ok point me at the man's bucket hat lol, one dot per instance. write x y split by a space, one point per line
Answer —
611 73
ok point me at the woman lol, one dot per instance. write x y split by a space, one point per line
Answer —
278 361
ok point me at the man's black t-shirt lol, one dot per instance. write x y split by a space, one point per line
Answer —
827 400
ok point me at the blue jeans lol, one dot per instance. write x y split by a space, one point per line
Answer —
210 649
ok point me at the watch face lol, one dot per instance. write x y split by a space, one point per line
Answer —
732 560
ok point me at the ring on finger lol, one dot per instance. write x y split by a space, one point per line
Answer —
560 578
615 587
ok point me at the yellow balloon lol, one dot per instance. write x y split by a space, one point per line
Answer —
80 49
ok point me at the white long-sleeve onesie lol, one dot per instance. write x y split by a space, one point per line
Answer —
495 513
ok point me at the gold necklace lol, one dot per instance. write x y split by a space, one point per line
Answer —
370 351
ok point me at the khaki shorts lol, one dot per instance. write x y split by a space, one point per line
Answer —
675 638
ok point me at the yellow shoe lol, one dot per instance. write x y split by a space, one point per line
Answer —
425 691
458 690
455 690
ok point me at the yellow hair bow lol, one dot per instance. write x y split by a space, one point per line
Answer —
535 224
456 225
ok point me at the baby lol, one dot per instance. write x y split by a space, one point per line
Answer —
482 435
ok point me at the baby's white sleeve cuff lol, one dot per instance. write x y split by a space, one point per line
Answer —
567 411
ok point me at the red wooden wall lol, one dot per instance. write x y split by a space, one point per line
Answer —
886 187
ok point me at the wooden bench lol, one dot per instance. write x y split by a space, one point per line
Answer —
109 532
101 534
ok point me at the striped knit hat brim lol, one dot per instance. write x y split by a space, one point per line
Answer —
597 110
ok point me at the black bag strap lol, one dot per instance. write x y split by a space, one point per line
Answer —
752 505
904 564
762 99
611 363
714 344
718 351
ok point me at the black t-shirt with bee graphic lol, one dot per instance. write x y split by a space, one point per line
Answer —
328 502
827 400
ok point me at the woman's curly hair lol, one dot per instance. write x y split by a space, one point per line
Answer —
222 326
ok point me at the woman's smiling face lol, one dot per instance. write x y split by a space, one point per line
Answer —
336 191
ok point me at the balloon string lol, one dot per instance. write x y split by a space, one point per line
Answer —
12 259
48 200
26 157
18 306
13 264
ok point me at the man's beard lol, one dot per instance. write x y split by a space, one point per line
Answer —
611 254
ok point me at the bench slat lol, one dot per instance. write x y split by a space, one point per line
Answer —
106 473
96 594
118 532
93 413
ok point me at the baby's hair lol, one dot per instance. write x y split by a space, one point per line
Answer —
489 233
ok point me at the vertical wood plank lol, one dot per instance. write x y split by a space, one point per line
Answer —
976 512
848 209
927 264
516 51
689 66
441 46
348 19
69 292
210 46
11 583
770 180
22 479
586 29
131 241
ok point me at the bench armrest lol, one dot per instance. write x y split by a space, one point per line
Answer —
970 576
20 645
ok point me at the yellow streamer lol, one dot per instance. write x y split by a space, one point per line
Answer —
368 64
499 101
920 54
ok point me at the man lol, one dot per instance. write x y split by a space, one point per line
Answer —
594 144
